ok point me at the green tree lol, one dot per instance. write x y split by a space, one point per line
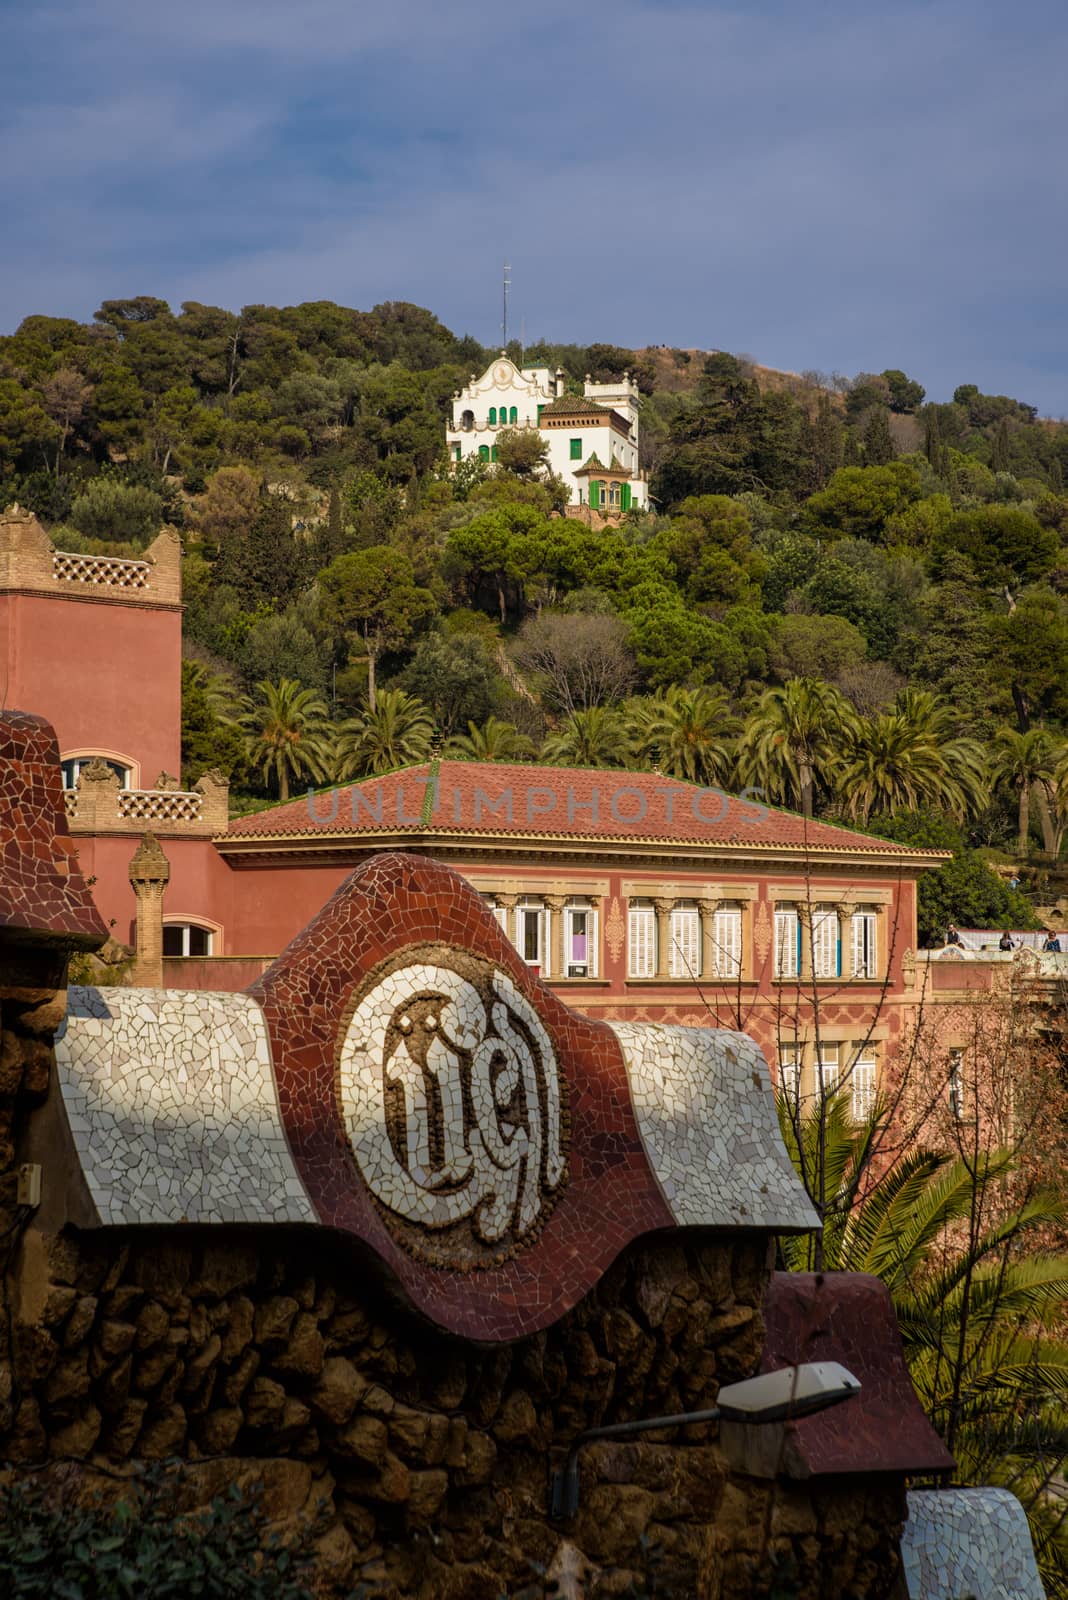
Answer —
211 732
859 501
592 738
879 448
522 451
805 646
905 393
109 509
493 741
396 732
689 733
790 745
289 734
1027 763
455 678
1006 546
373 594
908 758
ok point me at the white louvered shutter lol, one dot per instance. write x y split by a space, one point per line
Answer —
685 930
865 960
825 942
786 944
790 1078
863 1085
727 943
828 1068
591 925
641 942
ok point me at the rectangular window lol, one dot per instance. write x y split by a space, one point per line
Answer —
727 942
456 452
580 941
500 913
865 945
493 453
641 941
790 1076
576 449
826 946
685 955
863 1083
956 1084
827 1068
530 934
787 943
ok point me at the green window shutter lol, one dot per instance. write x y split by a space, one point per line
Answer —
595 492
493 416
576 449
493 453
540 410
626 497
456 452
513 415
483 451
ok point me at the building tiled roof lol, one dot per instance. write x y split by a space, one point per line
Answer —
574 405
520 800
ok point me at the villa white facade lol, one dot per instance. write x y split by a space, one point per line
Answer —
592 437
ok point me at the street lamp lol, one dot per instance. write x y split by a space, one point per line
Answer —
781 1396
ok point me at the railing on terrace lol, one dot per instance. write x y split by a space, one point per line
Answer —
109 572
98 805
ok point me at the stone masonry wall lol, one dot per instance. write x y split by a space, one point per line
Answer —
281 1357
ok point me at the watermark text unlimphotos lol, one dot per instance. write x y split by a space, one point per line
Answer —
427 802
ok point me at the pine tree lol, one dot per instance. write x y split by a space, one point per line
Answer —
932 437
999 457
330 541
878 444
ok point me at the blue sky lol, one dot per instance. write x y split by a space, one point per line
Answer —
843 186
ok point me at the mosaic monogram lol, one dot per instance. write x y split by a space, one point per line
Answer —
450 1094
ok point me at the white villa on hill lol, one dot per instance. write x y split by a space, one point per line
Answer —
592 438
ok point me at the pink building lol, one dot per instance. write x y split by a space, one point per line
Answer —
637 896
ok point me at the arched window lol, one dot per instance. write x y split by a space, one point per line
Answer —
73 766
187 939
467 421
483 451
513 415
493 416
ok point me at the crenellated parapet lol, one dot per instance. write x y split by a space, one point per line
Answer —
31 564
100 804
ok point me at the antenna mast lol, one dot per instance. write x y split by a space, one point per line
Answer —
506 281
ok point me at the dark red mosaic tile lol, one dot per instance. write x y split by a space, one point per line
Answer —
42 892
849 1317
608 1196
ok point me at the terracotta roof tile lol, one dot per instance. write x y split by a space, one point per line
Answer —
519 799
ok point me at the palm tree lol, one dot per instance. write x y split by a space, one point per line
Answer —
791 743
1028 763
288 733
397 733
493 741
592 738
220 697
894 761
688 731
981 1320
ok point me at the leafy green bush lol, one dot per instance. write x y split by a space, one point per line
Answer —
52 1547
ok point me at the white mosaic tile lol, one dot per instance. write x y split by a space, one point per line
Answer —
172 1105
968 1542
706 1114
495 1170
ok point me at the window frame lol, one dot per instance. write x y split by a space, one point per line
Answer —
787 916
864 938
530 910
685 919
644 912
823 1059
572 911
124 770
574 449
826 953
863 1081
187 926
727 954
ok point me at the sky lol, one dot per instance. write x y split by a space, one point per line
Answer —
835 186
